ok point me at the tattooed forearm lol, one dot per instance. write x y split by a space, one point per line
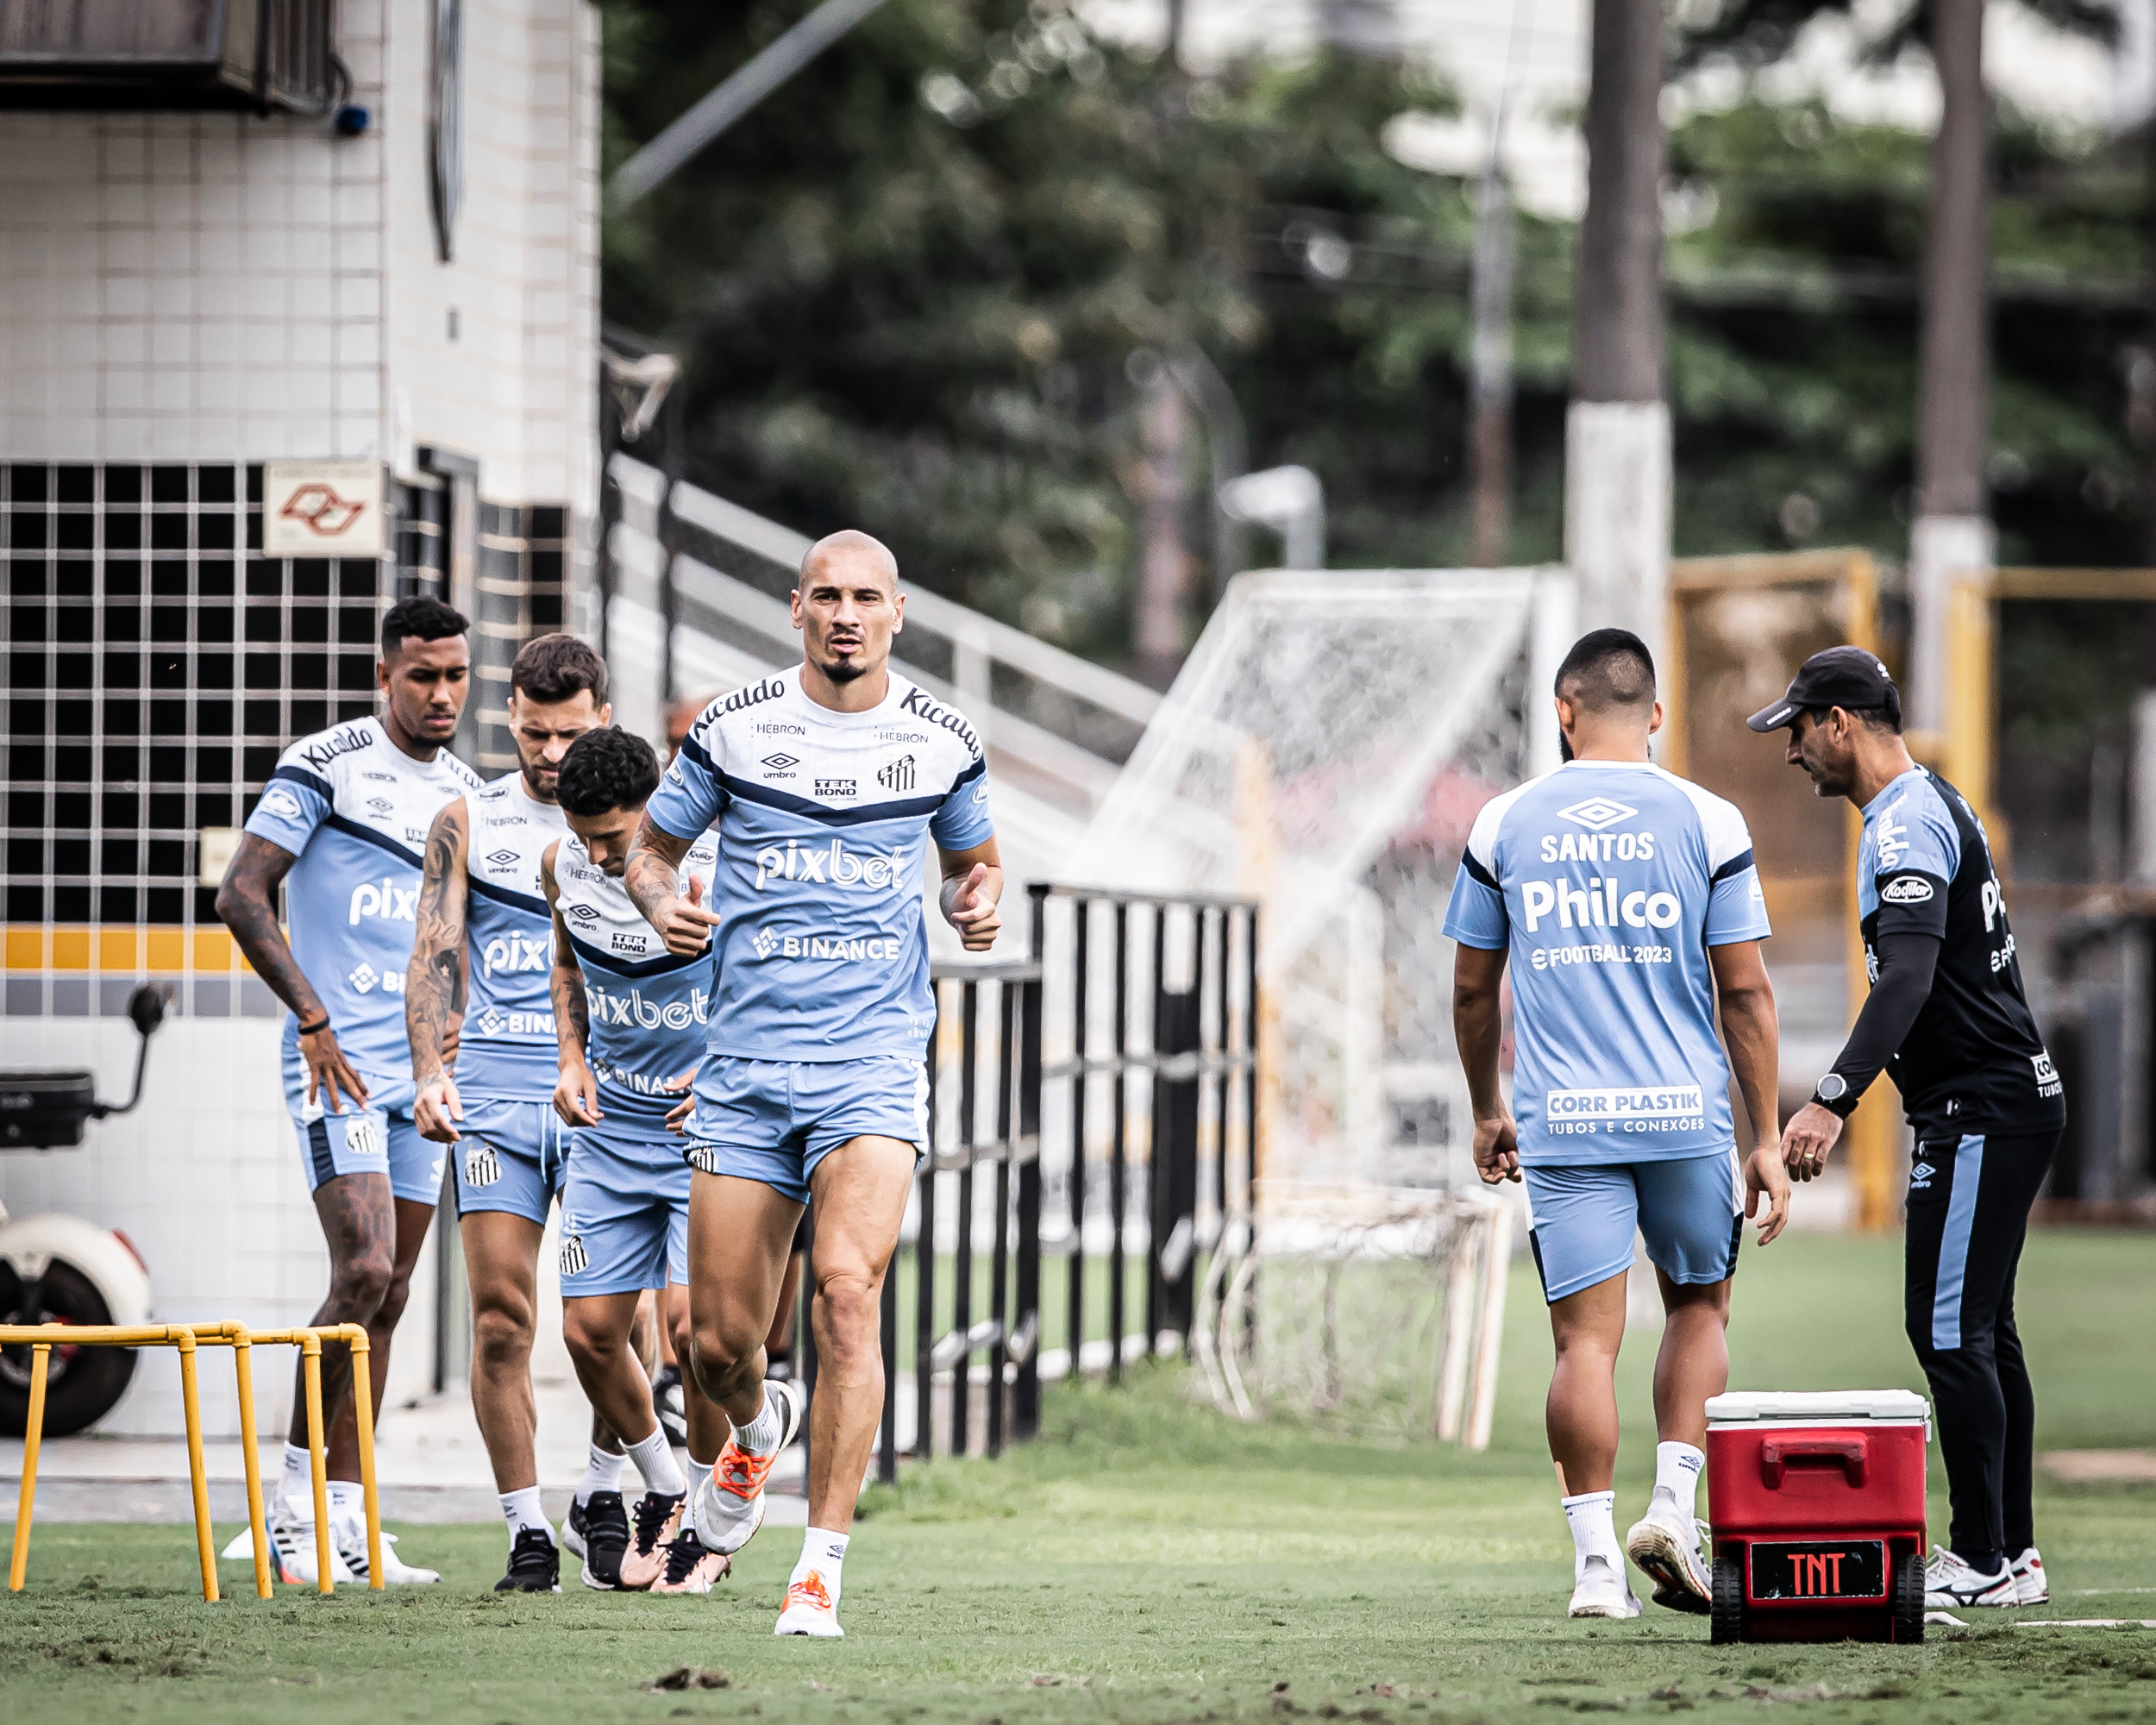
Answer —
571 1006
247 903
655 858
434 984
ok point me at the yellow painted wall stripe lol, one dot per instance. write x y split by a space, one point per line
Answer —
124 951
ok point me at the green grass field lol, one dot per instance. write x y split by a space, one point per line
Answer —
1148 1561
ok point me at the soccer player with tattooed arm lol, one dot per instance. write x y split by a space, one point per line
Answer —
824 786
1948 1021
1626 902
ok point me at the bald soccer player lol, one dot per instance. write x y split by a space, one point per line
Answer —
825 785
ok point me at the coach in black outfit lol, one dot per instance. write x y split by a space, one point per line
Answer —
1948 1021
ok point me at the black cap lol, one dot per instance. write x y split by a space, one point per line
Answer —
1846 677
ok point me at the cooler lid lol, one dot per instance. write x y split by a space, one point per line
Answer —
1767 1406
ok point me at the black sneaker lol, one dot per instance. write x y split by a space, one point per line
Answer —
658 1519
572 1529
666 1402
690 1567
605 1532
535 1563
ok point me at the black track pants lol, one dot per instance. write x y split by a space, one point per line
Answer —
1968 1214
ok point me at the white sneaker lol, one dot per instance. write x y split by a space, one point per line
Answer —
810 1610
351 1541
2029 1586
1602 1592
1668 1552
1949 1583
730 1505
293 1547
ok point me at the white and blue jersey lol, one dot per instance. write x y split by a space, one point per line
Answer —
649 1009
354 809
823 820
508 1049
1608 881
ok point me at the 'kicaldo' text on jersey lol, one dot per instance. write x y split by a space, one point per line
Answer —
508 1052
354 809
823 818
649 1009
1608 880
1974 1060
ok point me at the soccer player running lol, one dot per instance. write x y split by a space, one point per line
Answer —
825 785
631 1017
340 826
481 960
1948 1019
1628 904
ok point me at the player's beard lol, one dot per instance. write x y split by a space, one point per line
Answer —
845 670
540 791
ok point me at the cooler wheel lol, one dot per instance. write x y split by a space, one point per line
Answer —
1909 1598
1729 1616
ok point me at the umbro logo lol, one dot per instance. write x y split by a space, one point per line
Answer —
582 913
380 804
1921 1177
898 776
503 858
782 762
1597 812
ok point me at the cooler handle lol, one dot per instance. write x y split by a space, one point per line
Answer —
1775 1454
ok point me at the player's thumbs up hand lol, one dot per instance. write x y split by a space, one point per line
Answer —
685 926
969 906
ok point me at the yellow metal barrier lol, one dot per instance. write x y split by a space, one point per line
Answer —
188 1340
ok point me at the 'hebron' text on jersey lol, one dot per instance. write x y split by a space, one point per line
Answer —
1974 1060
1608 880
354 809
508 1052
822 820
649 1009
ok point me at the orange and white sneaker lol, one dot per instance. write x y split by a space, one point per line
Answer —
729 1503
810 1610
692 1567
656 1521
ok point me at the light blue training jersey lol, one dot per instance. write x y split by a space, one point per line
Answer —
649 1009
354 809
508 1052
824 819
1608 880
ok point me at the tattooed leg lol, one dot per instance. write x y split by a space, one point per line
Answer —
360 1221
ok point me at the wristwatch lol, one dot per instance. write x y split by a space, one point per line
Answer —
1833 1094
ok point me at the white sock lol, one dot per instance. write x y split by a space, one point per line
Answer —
1594 1518
698 1472
348 1502
298 1483
761 1435
602 1472
1677 1471
521 1510
654 1460
822 1554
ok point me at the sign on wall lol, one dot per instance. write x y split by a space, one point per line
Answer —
322 509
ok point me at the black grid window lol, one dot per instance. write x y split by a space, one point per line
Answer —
157 665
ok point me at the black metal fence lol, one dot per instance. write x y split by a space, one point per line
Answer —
1147 1008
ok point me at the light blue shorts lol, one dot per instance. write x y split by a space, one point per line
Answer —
1690 1210
773 1120
624 1212
378 1138
510 1157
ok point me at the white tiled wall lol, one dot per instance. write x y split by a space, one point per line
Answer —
196 287
204 1176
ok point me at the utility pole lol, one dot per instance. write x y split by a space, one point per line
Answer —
1489 436
1162 577
1617 430
1952 536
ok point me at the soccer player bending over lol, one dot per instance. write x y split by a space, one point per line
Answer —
1948 1019
340 824
482 917
825 785
1628 904
630 1016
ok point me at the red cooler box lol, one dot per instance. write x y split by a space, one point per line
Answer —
1817 1504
